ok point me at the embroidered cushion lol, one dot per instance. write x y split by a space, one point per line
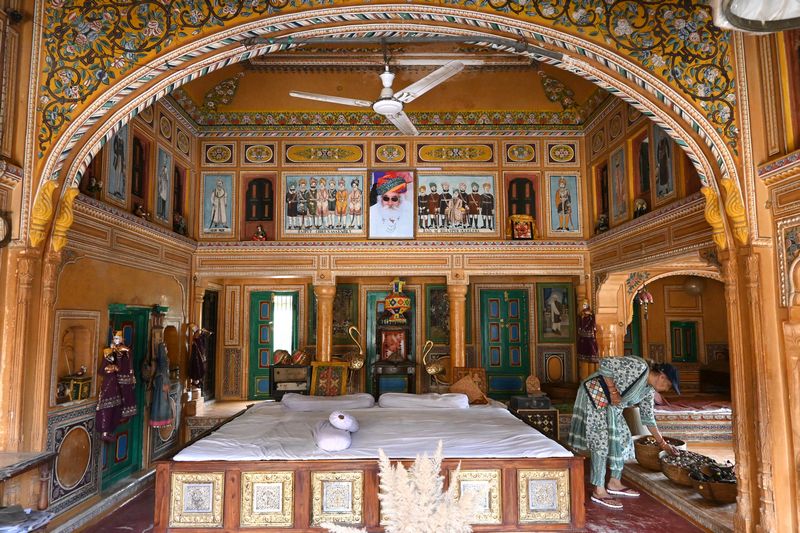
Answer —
467 386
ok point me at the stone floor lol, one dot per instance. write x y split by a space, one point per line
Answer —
640 515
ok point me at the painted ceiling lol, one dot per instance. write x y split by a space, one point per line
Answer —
256 92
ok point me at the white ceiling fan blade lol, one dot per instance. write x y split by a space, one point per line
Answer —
430 81
403 123
332 99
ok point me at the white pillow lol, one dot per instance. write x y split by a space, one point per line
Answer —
301 402
341 420
402 400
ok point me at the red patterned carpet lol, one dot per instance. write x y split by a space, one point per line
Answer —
640 515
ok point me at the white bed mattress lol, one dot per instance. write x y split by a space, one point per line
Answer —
269 431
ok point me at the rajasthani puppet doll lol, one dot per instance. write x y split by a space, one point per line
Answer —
109 403
125 376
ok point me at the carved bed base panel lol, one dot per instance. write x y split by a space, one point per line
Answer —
295 496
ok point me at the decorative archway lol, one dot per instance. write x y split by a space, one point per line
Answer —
86 134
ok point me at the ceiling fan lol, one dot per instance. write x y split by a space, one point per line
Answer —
390 103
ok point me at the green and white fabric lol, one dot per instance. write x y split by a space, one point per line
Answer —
603 432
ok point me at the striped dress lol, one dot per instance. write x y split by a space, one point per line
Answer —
603 432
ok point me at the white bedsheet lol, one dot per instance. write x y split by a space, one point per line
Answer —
269 431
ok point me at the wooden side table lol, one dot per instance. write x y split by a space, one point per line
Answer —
545 420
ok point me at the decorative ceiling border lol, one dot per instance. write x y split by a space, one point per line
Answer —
366 121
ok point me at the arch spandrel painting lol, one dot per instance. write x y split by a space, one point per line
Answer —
89 47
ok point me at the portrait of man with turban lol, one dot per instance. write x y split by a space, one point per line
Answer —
392 214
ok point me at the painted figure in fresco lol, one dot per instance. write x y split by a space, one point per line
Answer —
556 307
341 205
393 214
118 162
563 206
644 165
219 206
445 204
197 360
322 202
487 207
663 170
356 205
163 192
302 203
422 207
587 335
260 234
312 202
291 207
458 209
434 201
474 205
620 198
331 203
160 408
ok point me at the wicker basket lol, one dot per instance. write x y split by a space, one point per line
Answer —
677 474
647 455
715 491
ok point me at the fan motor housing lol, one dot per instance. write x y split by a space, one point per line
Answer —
387 106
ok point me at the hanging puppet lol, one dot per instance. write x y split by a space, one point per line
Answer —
198 362
125 376
109 403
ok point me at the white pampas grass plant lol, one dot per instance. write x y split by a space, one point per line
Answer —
413 500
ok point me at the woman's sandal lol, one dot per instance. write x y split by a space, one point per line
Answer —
626 492
611 503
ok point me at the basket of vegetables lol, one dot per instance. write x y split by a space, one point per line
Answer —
715 482
647 450
678 467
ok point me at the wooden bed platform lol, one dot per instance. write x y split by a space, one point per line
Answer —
522 494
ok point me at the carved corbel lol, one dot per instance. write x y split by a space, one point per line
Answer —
64 219
735 210
42 212
713 216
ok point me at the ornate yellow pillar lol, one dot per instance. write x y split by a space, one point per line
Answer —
324 294
25 266
457 294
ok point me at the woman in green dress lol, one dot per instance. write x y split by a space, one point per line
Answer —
599 428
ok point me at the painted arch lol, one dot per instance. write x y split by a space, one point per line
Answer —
97 116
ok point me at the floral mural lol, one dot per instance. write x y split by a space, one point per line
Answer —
88 45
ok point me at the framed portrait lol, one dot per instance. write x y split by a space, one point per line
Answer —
163 189
564 205
322 205
554 363
393 345
601 189
641 165
618 178
437 314
218 201
664 175
555 318
391 205
118 165
345 313
457 204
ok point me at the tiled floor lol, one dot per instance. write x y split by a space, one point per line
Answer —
640 515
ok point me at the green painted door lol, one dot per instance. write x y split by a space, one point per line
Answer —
505 348
375 309
270 329
684 341
633 335
123 456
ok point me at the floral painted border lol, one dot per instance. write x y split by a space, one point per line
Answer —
89 45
